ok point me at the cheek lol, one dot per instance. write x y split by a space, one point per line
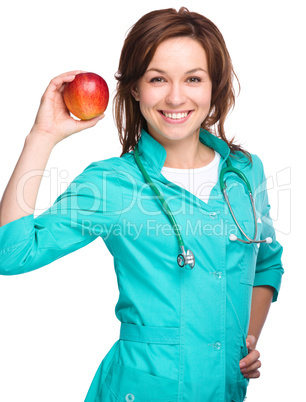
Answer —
147 100
204 99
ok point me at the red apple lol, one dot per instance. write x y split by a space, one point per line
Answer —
86 96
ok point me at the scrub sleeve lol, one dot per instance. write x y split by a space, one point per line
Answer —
269 268
89 208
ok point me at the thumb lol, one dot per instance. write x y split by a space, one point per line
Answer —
250 341
84 124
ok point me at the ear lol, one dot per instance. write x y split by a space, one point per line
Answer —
135 93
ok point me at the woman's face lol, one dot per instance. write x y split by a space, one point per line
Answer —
174 94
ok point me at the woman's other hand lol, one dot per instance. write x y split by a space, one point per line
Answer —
250 364
53 117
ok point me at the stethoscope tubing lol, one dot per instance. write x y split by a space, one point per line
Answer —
237 223
160 197
229 169
187 258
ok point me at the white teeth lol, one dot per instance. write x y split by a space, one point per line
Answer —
175 116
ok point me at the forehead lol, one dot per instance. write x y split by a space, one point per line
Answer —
180 50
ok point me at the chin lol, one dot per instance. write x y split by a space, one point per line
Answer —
174 136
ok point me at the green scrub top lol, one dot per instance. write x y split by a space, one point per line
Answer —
182 331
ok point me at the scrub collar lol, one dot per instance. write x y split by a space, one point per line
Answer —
155 154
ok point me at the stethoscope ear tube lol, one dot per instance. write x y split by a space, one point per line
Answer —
232 236
235 238
187 259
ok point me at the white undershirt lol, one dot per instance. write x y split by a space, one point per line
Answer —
198 181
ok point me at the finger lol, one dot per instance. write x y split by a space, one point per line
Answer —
256 365
65 77
68 79
252 374
73 72
57 84
247 361
250 358
68 76
84 124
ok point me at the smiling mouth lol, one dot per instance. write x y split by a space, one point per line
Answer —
175 116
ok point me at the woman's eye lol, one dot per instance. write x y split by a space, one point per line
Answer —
157 79
161 80
194 79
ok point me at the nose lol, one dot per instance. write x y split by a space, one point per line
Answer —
175 95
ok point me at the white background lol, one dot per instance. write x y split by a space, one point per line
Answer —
58 322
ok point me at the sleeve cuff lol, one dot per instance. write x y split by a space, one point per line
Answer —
269 278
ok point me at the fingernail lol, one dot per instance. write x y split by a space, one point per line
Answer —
242 364
248 344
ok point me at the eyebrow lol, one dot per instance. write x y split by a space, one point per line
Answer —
187 72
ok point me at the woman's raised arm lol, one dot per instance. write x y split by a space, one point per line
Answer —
53 123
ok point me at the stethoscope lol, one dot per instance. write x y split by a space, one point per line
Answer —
186 259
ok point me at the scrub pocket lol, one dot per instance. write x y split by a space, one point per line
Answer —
127 384
250 252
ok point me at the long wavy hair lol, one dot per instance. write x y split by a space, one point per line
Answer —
139 47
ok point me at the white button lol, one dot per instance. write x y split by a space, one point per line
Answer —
217 345
218 275
130 397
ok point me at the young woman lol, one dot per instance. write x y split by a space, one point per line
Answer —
196 273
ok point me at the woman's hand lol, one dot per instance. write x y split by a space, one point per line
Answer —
250 364
53 118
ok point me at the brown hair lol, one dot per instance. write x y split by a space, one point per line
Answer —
138 50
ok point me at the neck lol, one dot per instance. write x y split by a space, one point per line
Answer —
188 153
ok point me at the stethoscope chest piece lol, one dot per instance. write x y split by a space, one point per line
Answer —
186 260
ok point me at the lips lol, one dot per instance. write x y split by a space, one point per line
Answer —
177 115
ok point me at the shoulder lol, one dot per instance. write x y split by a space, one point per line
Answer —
106 170
254 171
99 180
242 162
112 176
110 164
115 163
